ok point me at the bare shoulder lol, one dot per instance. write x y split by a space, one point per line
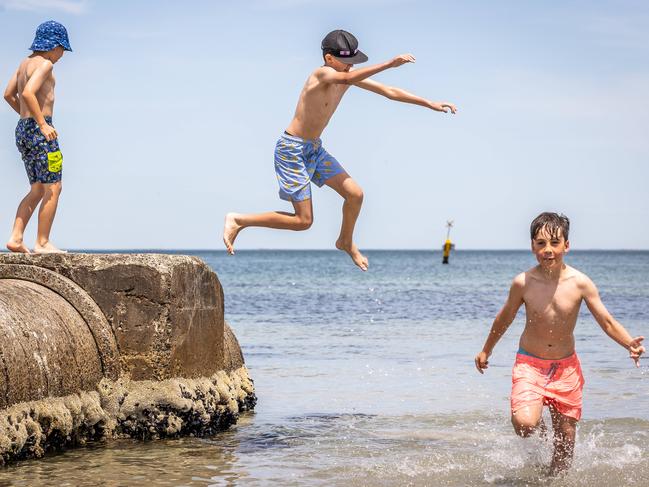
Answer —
519 282
46 65
30 65
24 64
321 71
325 74
583 281
530 275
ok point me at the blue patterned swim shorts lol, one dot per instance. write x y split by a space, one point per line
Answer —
43 159
300 161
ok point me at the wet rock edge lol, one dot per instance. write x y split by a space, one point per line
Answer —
125 408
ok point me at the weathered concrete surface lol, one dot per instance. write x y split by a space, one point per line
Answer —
46 348
166 311
125 408
94 346
49 321
233 357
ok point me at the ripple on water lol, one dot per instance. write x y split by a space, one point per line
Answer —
367 379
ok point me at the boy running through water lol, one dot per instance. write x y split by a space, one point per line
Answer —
547 370
299 155
30 93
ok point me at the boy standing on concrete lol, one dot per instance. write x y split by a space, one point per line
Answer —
299 155
547 370
30 93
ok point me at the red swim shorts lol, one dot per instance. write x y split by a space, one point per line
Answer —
558 383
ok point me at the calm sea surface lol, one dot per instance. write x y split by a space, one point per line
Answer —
368 379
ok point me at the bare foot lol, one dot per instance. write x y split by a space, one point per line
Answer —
15 246
359 259
230 231
48 248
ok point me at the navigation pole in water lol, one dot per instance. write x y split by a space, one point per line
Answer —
448 244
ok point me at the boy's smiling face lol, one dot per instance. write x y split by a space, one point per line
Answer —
550 249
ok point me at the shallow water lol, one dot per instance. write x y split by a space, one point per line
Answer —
368 379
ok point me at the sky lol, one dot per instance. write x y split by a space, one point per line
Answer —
168 113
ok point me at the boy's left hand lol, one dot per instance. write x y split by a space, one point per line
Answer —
636 349
444 107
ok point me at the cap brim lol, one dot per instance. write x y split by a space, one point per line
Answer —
357 58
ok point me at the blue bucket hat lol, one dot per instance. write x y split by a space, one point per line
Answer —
49 35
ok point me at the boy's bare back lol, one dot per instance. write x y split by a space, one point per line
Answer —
39 68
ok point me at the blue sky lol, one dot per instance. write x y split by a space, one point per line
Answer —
168 113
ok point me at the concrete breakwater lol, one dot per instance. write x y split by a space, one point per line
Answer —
96 346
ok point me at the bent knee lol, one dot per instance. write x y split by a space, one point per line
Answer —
524 427
304 222
355 194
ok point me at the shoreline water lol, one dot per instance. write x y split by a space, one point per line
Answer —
367 379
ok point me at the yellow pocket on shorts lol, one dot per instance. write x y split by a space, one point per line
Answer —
55 161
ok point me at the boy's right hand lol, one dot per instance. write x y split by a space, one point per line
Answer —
636 349
48 132
482 362
402 59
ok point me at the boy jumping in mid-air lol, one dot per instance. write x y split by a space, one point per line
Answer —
547 370
299 155
30 93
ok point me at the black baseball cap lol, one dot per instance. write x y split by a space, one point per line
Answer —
343 46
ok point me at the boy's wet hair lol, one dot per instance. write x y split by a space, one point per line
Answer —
556 224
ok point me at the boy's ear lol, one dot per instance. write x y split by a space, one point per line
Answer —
567 245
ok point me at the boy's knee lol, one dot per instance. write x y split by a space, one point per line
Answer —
37 191
355 194
54 188
304 222
523 427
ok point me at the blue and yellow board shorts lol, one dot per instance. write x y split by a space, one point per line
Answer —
43 160
298 162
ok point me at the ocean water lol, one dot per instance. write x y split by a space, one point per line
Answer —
367 379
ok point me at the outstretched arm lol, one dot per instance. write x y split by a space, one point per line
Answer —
504 318
398 94
609 324
327 74
11 93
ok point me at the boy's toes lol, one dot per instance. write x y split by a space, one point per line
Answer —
48 249
359 259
